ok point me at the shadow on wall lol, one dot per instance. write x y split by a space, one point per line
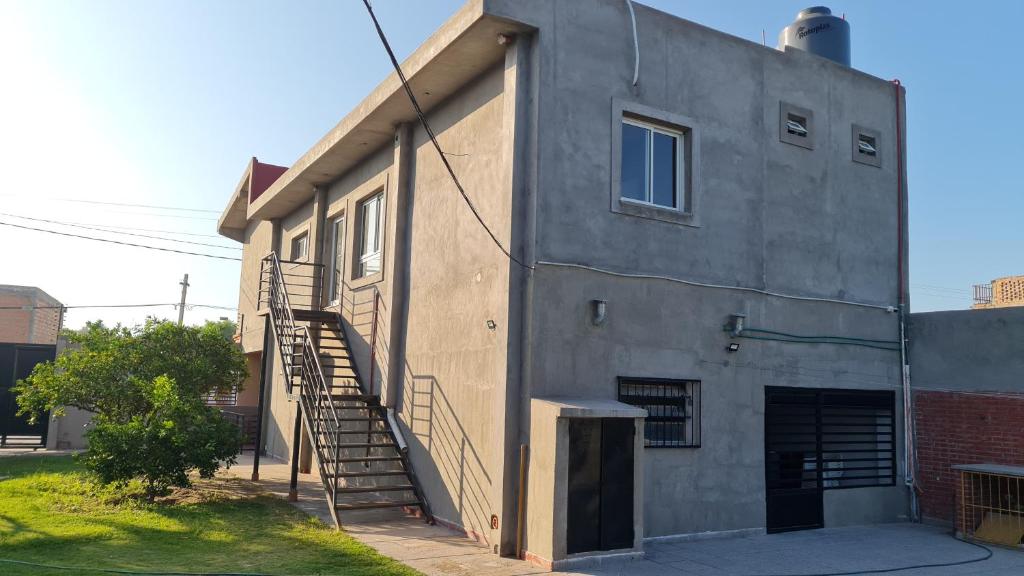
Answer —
455 473
454 477
357 311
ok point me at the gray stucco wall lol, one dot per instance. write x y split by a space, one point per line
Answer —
458 280
770 215
968 350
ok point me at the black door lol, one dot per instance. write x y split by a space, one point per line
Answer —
600 506
792 460
16 363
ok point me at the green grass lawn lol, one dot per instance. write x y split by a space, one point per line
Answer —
52 512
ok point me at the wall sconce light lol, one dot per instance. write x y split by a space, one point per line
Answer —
733 347
598 312
735 325
491 325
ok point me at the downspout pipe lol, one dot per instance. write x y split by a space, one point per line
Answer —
909 440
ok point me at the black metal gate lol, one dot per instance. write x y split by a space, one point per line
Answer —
792 460
16 363
600 502
824 439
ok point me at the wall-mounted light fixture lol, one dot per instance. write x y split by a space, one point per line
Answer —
733 347
491 325
735 324
598 312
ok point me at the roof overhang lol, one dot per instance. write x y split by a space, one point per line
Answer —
232 220
462 49
254 182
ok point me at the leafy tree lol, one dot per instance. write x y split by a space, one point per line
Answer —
146 387
226 327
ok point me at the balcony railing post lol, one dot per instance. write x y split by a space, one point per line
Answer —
373 342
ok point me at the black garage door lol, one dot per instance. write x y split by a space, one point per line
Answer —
824 439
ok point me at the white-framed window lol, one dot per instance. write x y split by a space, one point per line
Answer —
652 165
337 258
300 246
371 212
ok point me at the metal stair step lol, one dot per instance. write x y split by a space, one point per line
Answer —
359 397
370 474
367 419
350 445
378 504
307 315
363 489
369 459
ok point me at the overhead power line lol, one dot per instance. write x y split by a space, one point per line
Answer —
175 304
120 243
175 232
139 205
156 215
433 139
74 225
128 204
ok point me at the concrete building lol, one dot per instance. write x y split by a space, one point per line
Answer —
28 315
1000 293
698 331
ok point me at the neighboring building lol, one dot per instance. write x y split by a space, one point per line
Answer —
30 321
1000 293
968 378
732 186
28 315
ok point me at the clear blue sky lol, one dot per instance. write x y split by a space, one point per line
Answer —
163 102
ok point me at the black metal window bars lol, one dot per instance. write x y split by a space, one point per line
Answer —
673 410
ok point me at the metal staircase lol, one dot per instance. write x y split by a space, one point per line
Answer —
360 453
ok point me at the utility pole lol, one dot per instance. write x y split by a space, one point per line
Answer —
181 306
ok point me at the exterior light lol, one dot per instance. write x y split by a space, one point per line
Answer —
735 325
733 347
598 312
491 325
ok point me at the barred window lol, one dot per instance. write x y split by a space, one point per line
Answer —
673 410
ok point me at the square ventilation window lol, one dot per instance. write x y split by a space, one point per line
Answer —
866 146
796 125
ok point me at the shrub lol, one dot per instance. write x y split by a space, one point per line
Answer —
146 388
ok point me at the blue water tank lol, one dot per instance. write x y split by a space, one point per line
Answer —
817 31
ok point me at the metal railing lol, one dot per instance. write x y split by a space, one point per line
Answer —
373 341
321 416
982 293
991 503
301 359
275 291
295 341
302 281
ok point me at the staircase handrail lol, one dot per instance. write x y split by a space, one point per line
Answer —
277 286
320 379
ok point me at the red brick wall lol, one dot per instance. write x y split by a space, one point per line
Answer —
14 324
19 326
963 428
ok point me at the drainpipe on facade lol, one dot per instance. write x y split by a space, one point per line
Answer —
909 441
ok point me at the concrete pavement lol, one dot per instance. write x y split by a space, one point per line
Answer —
435 550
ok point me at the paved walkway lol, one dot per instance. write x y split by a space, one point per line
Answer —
434 550
850 550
